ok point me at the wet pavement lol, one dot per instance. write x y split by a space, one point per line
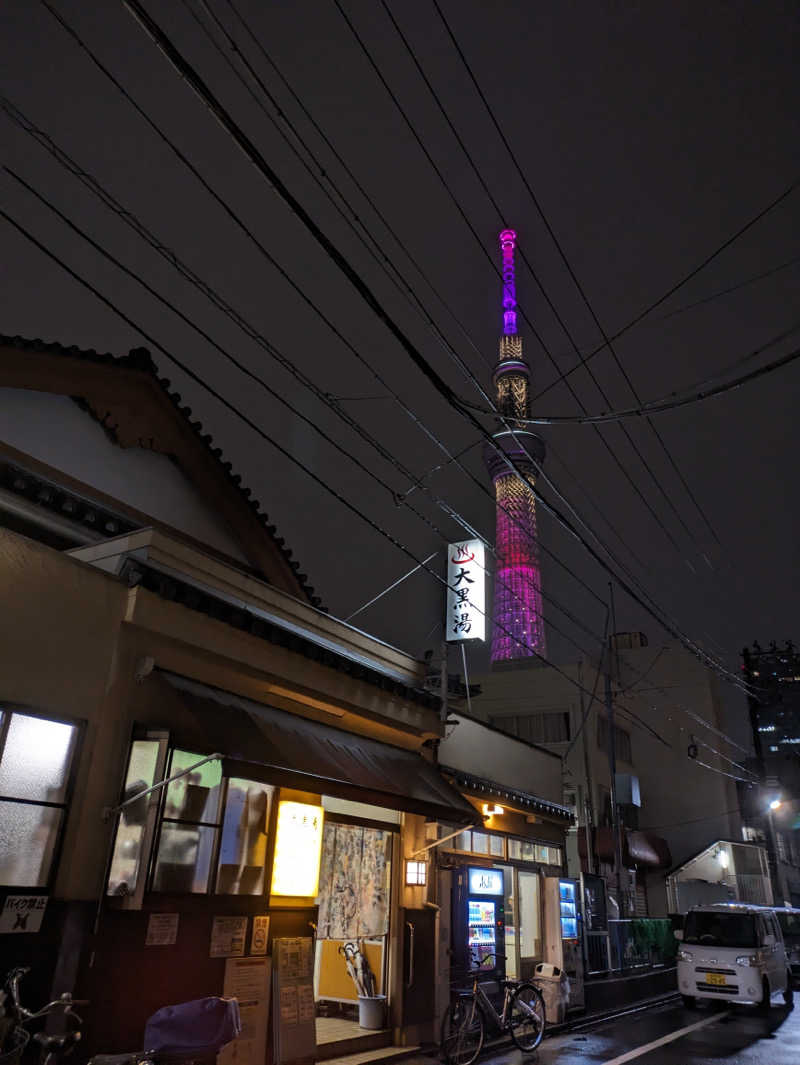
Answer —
672 1035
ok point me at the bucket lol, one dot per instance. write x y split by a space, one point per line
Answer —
372 1012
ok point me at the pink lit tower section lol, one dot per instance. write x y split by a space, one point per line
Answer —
518 630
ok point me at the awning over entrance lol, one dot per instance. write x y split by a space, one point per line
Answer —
260 742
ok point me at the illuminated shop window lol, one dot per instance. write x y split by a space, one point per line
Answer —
36 761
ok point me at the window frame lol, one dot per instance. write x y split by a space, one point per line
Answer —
8 709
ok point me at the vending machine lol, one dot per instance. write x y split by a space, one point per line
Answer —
479 919
563 932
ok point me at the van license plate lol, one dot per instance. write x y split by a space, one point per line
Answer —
716 978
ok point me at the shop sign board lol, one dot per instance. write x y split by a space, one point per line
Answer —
23 913
466 592
485 882
298 849
228 936
162 930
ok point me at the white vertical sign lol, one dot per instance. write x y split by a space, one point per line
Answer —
466 592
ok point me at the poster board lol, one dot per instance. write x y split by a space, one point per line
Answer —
248 980
294 1013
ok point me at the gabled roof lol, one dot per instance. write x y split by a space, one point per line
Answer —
137 408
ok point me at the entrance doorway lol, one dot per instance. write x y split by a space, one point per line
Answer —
353 926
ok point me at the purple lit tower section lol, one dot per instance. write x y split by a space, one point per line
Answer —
518 630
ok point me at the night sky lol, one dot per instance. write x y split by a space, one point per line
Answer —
649 134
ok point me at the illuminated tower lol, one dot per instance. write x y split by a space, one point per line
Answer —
518 629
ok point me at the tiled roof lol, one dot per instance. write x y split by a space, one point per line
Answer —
480 785
140 359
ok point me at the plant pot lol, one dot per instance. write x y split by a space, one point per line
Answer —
372 1012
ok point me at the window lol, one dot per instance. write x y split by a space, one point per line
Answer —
36 758
522 850
780 846
622 740
551 726
211 833
475 842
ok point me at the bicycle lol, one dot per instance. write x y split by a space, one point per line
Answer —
464 1024
51 1047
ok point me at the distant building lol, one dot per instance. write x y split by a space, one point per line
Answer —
686 800
773 675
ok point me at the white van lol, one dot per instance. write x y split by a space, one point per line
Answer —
732 951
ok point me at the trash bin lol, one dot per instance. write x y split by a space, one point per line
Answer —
554 985
372 1012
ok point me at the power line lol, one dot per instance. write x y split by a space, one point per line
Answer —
667 404
679 284
188 73
607 341
731 288
240 366
448 346
443 111
322 483
170 256
183 366
412 129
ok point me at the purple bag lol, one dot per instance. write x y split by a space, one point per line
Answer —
193 1029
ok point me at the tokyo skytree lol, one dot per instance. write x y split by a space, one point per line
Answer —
518 627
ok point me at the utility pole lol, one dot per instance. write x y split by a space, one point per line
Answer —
612 767
587 797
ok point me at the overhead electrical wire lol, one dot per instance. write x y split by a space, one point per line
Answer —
171 257
322 483
626 710
559 318
673 402
730 288
294 410
187 72
130 219
559 247
372 204
434 166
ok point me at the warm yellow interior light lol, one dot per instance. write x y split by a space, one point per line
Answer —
492 811
298 848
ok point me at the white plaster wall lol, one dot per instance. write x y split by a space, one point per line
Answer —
474 748
55 430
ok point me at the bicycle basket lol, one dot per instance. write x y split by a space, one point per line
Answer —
193 1029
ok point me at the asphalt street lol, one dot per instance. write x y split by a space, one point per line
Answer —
673 1035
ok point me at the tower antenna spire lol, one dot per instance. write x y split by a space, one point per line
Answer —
508 242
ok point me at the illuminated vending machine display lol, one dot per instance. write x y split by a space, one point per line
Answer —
485 918
564 932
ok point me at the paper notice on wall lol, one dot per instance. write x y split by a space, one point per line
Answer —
228 936
260 937
23 913
248 980
305 1003
162 930
289 1010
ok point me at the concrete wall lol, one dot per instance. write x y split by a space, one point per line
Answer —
474 748
144 479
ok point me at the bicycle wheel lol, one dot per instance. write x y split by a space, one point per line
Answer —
527 1017
463 1032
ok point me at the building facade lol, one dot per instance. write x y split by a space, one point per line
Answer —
684 801
195 758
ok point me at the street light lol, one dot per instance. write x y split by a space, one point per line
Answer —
775 804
